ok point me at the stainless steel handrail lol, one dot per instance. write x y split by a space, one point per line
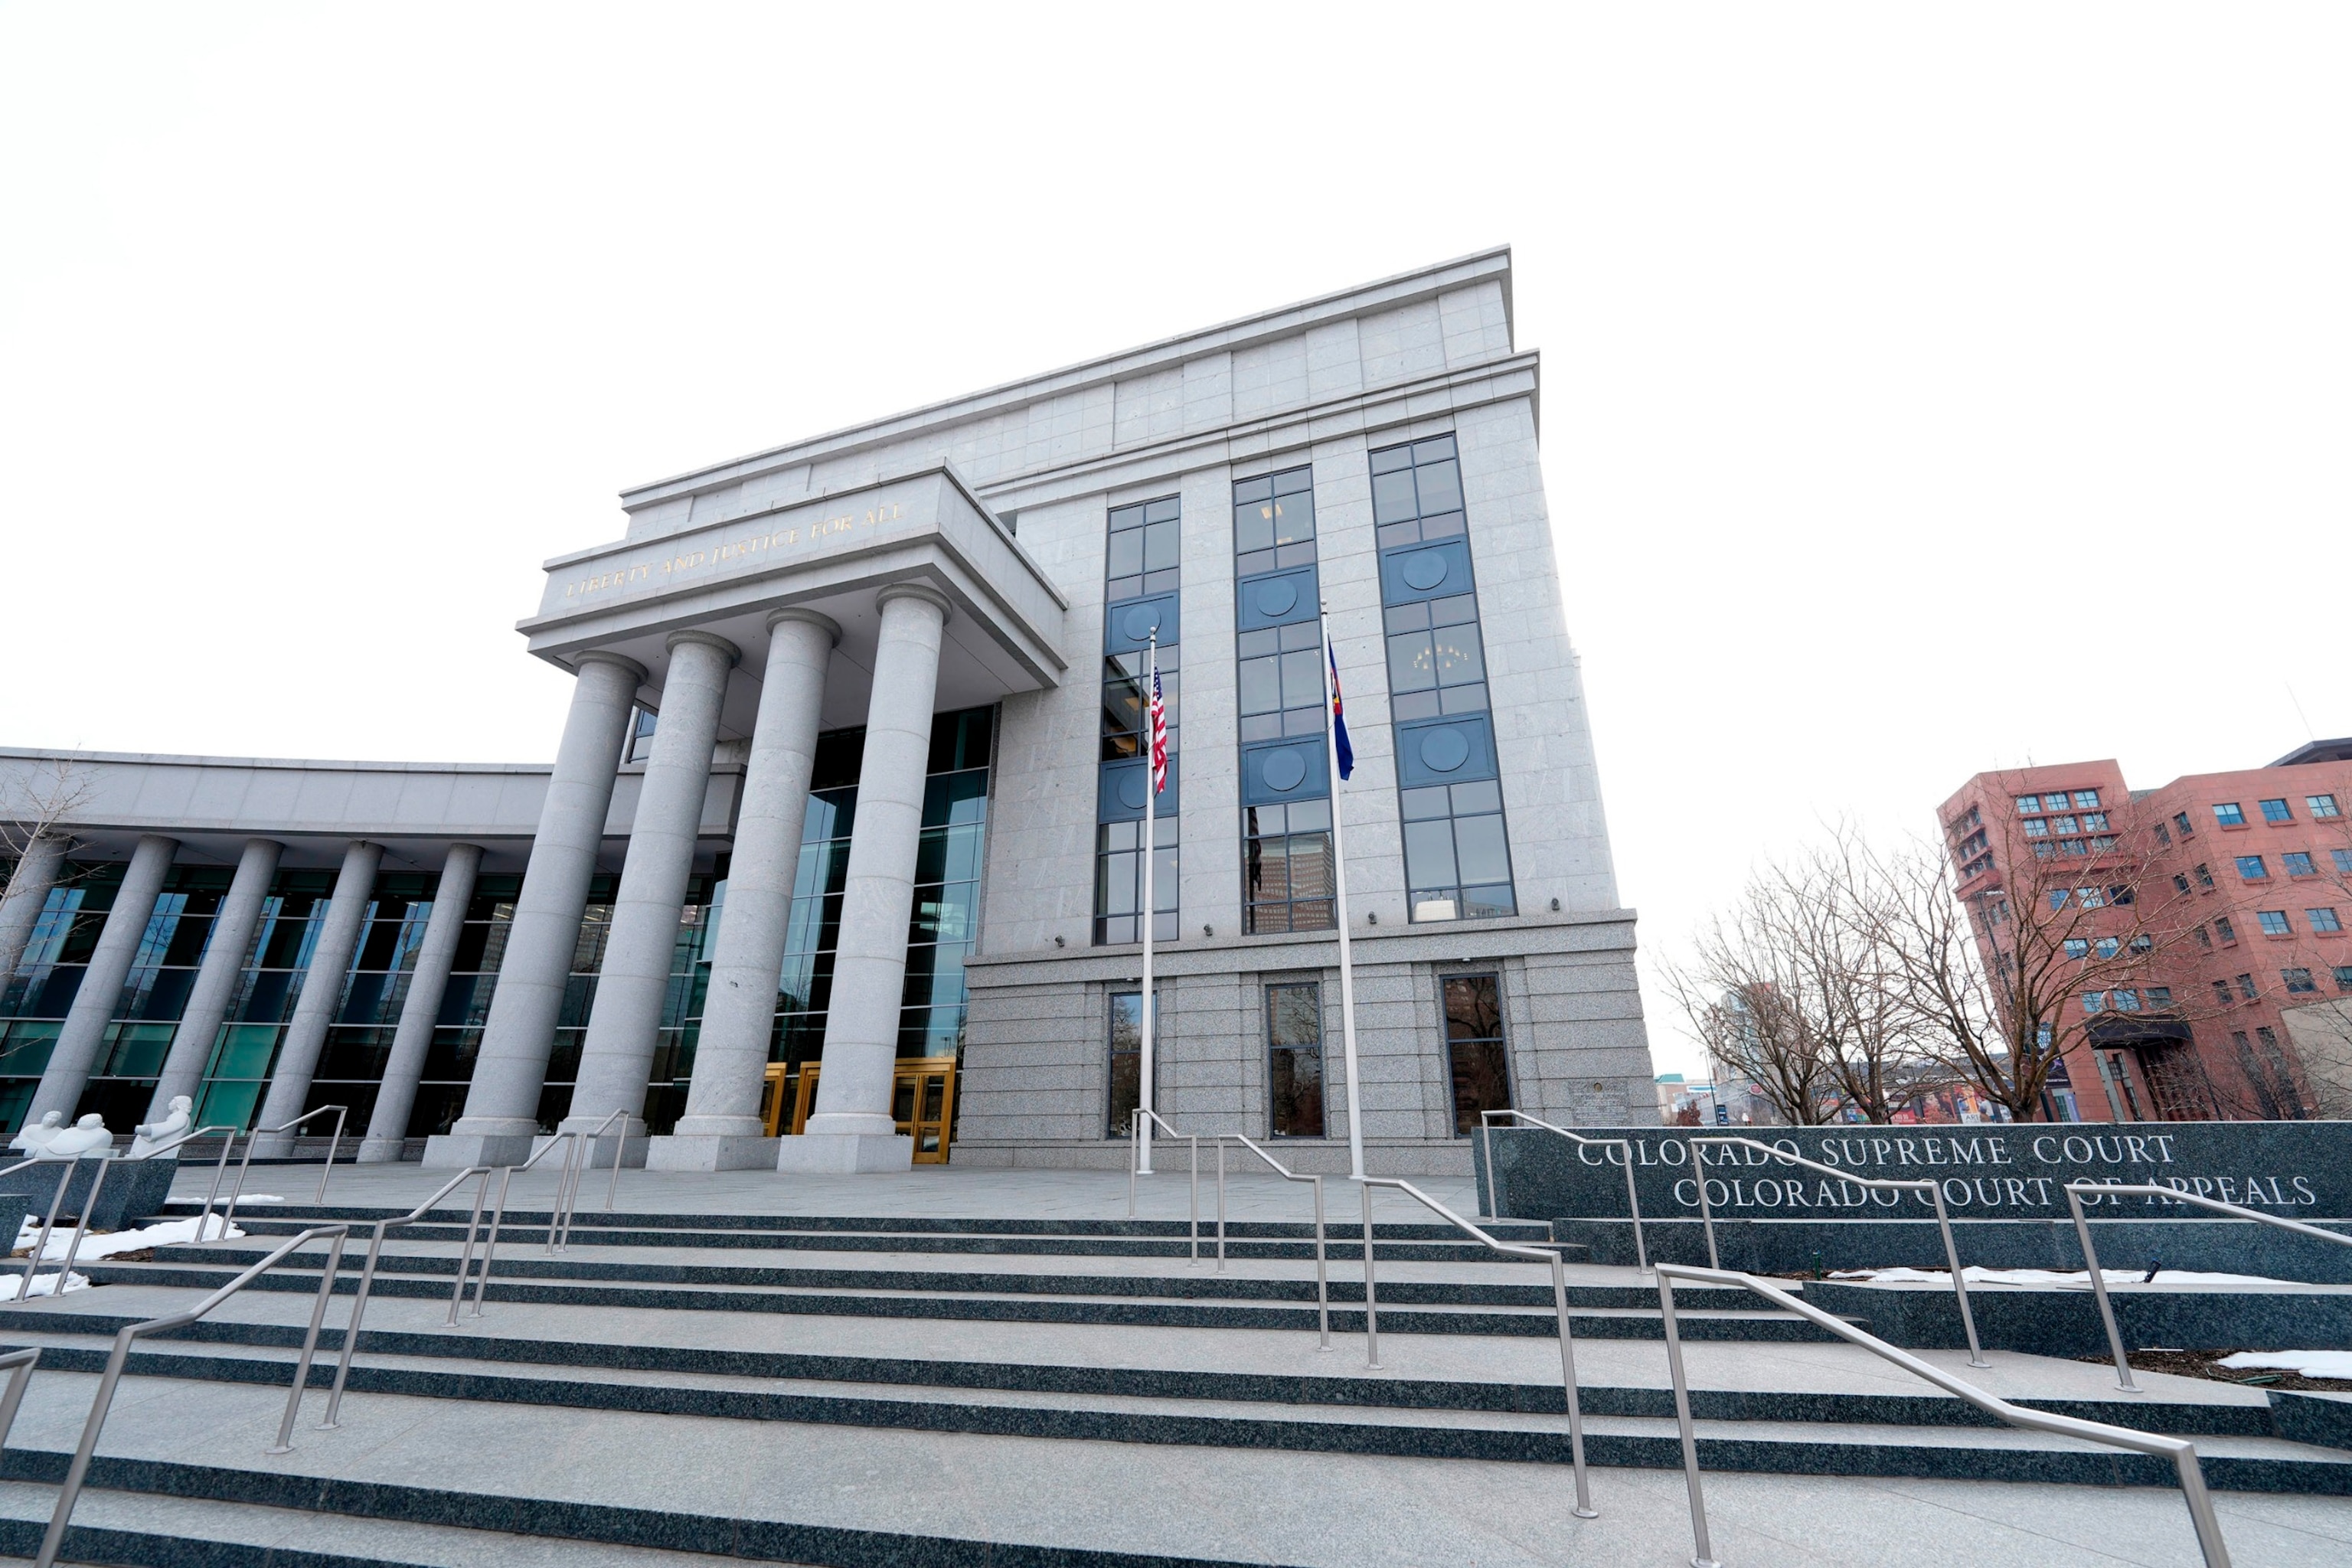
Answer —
2075 1190
367 1277
1135 1159
587 1146
1560 1304
1932 1188
2182 1453
1322 1271
78 1471
324 1171
1495 1178
219 1169
571 1140
41 1241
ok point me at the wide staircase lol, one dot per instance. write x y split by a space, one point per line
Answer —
901 1390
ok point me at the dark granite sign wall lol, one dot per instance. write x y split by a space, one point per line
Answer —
1997 1171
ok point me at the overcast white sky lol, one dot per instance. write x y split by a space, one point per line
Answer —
1924 390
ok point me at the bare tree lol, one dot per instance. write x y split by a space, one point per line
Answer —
37 804
1772 991
2011 972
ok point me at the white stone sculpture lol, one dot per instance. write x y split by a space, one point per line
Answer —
87 1136
35 1137
150 1135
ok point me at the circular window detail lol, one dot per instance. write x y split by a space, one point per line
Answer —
1278 597
1442 750
1283 771
1424 571
1140 622
1132 788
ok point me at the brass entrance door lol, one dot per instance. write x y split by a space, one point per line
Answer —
922 1101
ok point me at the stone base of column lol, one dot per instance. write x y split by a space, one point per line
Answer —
455 1151
845 1154
711 1152
381 1151
598 1153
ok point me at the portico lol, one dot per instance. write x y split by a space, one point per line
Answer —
880 605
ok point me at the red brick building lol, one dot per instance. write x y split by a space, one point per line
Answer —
2218 968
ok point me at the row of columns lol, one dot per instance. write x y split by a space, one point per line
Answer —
851 1128
74 1058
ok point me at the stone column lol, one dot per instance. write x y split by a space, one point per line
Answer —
421 1008
851 1128
28 891
215 992
502 1105
322 998
721 1130
625 1019
84 1034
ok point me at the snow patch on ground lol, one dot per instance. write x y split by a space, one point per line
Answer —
2080 1279
106 1243
2311 1364
12 1288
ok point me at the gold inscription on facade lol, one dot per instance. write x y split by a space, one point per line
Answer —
751 547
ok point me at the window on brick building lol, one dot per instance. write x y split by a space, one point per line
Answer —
2251 868
2343 858
2343 977
2322 919
2276 811
2222 992
2298 863
2246 987
2298 980
2229 814
2204 877
2036 827
2204 939
2094 1001
2030 803
2228 933
2321 805
2274 922
2160 996
2078 947
2180 820
2164 834
2085 799
2180 883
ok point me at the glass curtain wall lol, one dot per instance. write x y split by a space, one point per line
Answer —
1286 869
465 1005
1457 853
350 1067
1140 598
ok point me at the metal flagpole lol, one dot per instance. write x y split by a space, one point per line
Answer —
1150 830
1339 890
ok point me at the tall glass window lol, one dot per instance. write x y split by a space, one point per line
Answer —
1456 851
1140 601
1474 1047
1294 1040
1286 869
1125 1042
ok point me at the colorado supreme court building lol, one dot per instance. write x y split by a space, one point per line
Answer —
838 864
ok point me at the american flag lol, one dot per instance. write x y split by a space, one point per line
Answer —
1159 730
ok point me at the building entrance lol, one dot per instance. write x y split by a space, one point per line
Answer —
922 1102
